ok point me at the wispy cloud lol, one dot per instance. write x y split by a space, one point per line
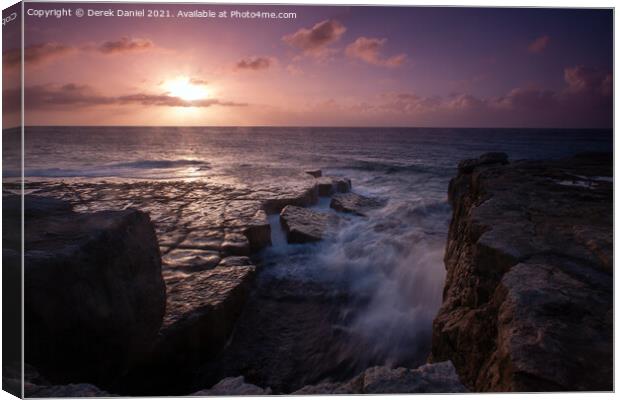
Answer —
255 63
125 45
585 100
370 51
41 53
315 41
79 96
539 44
35 54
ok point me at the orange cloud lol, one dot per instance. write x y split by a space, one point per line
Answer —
315 41
35 54
369 50
79 96
584 79
125 45
255 63
539 44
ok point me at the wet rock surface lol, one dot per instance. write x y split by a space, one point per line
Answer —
70 390
429 378
528 294
93 291
328 185
202 308
287 337
36 386
233 387
206 233
304 225
222 320
354 203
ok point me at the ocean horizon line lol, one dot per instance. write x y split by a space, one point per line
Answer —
316 127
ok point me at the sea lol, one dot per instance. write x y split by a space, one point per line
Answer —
394 256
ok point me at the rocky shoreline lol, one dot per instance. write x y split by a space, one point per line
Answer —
529 287
171 295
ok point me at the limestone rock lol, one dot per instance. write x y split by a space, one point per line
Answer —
200 314
354 203
317 173
70 390
304 225
302 196
191 260
94 295
528 296
233 387
235 261
236 244
328 185
429 378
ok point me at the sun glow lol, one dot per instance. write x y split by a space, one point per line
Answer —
184 89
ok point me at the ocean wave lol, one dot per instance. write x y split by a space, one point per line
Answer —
131 169
160 164
390 168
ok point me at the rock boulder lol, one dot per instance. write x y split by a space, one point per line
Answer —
233 387
429 378
94 295
354 203
304 225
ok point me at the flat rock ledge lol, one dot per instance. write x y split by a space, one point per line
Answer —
205 233
354 203
303 225
527 302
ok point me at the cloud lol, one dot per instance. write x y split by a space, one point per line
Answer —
125 45
294 70
171 101
585 101
369 50
255 63
315 41
527 99
539 44
40 53
78 96
35 54
584 79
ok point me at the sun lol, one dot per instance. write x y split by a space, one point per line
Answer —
184 89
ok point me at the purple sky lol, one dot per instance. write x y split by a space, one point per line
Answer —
330 66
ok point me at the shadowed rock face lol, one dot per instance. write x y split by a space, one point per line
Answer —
200 313
93 291
528 294
70 390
